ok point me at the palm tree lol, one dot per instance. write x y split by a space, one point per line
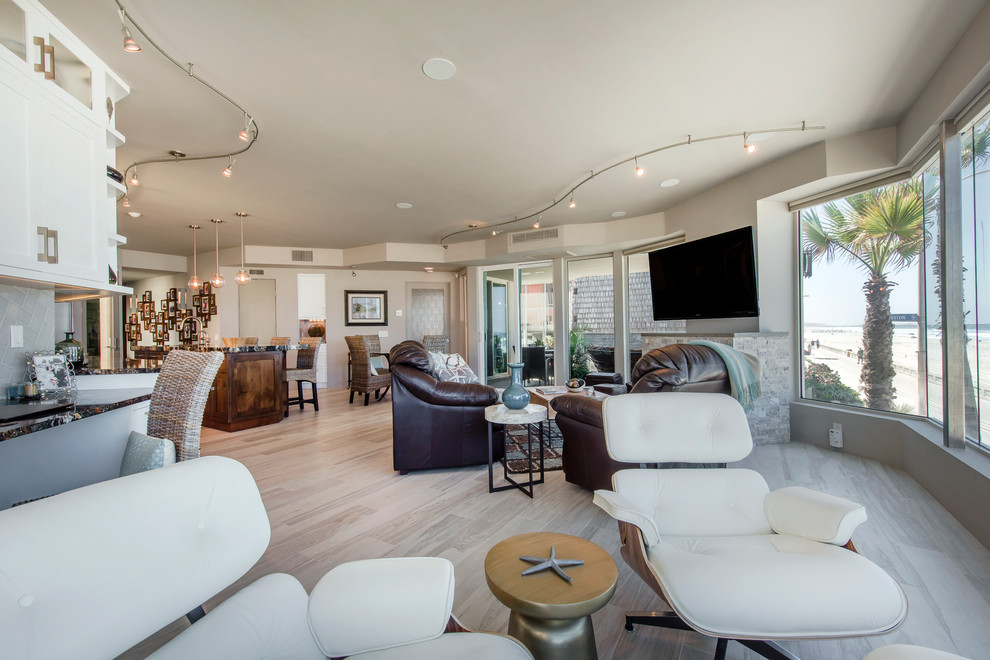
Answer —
880 231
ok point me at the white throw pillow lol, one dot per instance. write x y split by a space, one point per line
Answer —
375 363
452 367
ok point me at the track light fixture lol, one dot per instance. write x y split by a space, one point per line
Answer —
126 203
228 171
134 178
194 282
243 276
217 279
635 159
130 45
245 135
639 170
536 225
747 145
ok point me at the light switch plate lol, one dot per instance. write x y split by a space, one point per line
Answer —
398 312
17 336
382 334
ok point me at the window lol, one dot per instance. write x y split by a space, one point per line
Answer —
864 328
591 327
976 281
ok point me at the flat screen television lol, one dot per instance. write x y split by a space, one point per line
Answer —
710 278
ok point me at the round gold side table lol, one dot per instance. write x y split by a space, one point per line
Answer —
551 616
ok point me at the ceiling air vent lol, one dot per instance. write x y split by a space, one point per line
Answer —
255 271
521 237
302 255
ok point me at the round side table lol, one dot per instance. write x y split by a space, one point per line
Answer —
551 616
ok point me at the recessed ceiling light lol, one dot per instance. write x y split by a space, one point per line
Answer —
439 69
669 183
618 214
134 214
403 205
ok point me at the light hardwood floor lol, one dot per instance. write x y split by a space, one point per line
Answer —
327 480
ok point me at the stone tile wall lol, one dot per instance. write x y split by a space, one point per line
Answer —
34 309
769 420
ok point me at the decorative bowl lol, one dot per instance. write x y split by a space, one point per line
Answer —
574 385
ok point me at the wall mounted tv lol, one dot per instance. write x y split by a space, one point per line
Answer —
710 278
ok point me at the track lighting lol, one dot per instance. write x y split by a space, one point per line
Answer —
217 280
126 203
245 135
194 282
494 232
134 178
639 170
747 145
228 171
573 203
130 45
536 225
243 276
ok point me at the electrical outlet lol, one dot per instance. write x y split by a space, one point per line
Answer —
17 336
398 312
382 334
835 437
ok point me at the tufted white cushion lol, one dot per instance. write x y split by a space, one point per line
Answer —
775 586
266 619
814 515
688 427
689 502
95 570
348 605
144 452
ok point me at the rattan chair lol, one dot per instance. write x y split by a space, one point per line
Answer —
240 341
179 399
436 343
303 372
279 341
362 348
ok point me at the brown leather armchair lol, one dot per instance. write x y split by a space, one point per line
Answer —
437 424
673 368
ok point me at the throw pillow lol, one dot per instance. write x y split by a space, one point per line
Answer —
453 368
145 452
377 362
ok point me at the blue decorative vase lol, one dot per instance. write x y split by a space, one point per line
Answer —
515 396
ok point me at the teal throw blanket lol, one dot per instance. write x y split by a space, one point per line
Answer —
744 372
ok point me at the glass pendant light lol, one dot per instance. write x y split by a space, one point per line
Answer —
217 280
243 276
194 281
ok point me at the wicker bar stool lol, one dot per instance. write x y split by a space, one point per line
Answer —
304 372
179 399
364 377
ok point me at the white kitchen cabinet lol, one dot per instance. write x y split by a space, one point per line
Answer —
57 206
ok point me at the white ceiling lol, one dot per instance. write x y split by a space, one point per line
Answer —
545 91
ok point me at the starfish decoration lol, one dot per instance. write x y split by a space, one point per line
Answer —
551 562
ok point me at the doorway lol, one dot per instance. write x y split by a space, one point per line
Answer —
496 330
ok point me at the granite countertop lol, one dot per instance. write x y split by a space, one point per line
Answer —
222 349
112 372
87 403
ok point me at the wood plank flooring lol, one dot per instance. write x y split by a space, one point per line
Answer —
327 480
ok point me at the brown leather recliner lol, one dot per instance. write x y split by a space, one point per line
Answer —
673 368
437 424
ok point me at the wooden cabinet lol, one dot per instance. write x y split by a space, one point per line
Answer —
247 392
57 206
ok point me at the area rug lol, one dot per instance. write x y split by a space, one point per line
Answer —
516 453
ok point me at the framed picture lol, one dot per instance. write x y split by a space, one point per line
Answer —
164 305
146 296
366 308
52 372
207 288
134 319
213 310
213 300
173 294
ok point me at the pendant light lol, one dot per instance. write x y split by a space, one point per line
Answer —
194 282
217 280
243 276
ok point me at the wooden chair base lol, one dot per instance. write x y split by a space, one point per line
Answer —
765 648
299 399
